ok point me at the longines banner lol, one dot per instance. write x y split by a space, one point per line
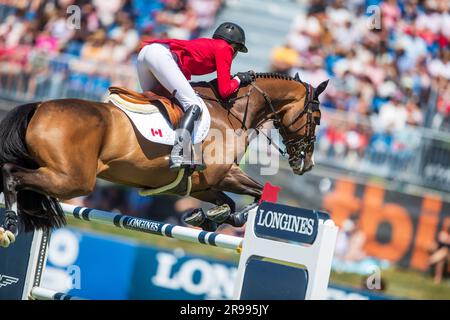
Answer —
283 222
399 227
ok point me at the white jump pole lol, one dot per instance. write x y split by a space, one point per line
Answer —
39 293
154 227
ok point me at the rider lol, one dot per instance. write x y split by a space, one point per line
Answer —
171 62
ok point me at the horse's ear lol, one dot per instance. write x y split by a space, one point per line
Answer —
297 77
321 88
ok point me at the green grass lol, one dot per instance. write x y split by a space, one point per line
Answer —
401 283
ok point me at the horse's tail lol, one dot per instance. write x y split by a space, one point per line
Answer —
12 136
37 211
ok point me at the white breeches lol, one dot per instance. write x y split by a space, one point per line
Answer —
156 63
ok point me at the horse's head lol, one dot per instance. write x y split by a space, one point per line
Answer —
298 127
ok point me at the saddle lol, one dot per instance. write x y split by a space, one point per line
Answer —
140 102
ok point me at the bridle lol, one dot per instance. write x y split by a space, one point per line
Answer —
297 147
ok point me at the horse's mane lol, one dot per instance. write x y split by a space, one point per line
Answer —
259 75
274 75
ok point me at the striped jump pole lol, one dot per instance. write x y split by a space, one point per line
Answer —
154 227
38 293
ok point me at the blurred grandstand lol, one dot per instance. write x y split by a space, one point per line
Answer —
386 114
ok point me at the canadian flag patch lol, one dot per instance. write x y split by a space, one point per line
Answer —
156 132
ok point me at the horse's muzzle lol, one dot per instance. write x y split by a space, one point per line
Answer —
301 165
298 166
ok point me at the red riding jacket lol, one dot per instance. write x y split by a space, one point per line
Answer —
203 56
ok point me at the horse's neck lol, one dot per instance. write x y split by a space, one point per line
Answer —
267 96
251 106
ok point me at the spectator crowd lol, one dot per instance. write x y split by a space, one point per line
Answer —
92 43
389 65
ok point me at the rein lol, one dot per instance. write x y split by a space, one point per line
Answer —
242 121
297 146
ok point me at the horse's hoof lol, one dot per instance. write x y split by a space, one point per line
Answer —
195 217
6 238
219 214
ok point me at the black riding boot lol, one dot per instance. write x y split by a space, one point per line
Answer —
183 139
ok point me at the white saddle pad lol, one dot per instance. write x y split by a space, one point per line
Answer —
156 128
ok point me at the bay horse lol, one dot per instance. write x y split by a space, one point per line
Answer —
55 150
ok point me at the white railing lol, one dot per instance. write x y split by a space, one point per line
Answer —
413 154
40 76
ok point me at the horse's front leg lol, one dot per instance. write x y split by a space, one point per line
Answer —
198 218
237 181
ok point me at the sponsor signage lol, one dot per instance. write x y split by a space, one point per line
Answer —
89 265
283 222
14 263
399 227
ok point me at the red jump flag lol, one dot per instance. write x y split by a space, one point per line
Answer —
270 193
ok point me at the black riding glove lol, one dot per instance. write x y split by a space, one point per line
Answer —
245 77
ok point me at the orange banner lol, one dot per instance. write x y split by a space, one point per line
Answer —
399 227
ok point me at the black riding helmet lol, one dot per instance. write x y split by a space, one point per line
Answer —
231 33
